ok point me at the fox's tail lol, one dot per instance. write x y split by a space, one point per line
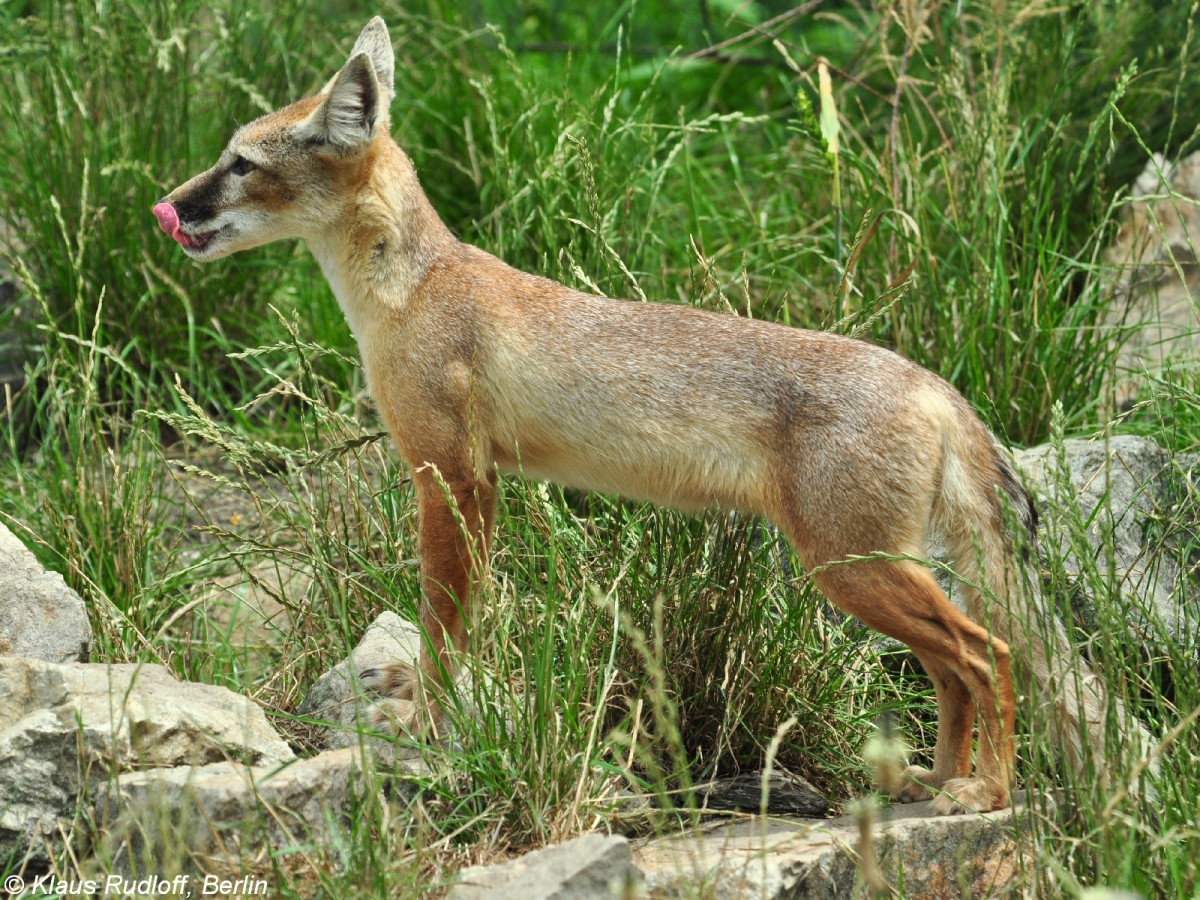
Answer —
1002 591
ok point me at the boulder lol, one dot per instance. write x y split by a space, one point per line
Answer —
66 729
931 856
40 617
1125 486
224 814
590 867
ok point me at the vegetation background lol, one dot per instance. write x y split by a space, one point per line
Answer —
666 150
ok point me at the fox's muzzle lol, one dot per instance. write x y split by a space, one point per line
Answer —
168 221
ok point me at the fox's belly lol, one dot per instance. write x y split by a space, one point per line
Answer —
672 464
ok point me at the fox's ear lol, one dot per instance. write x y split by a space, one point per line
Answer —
375 41
352 107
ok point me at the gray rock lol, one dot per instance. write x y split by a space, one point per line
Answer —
40 617
1125 486
933 856
66 729
226 812
339 696
591 867
936 856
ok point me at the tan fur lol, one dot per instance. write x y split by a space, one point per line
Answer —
475 366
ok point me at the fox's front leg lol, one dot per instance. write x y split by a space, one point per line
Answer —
455 513
455 529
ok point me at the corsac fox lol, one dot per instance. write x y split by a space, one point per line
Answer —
855 453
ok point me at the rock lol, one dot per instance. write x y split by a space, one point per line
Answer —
787 795
1157 279
1125 486
935 856
67 728
225 813
40 617
592 866
339 697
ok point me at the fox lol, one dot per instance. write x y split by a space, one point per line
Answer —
857 455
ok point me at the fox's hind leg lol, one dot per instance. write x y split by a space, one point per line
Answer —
952 752
903 600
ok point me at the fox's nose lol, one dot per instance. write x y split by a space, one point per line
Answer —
168 219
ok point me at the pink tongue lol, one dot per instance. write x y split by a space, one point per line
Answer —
168 219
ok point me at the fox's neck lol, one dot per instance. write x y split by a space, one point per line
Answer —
388 236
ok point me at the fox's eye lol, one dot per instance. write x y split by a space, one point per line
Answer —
241 166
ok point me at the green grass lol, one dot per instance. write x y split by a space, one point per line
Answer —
619 645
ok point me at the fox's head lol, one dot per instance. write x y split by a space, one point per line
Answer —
281 176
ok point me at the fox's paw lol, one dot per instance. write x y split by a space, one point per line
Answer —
401 710
916 783
397 718
397 681
964 795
